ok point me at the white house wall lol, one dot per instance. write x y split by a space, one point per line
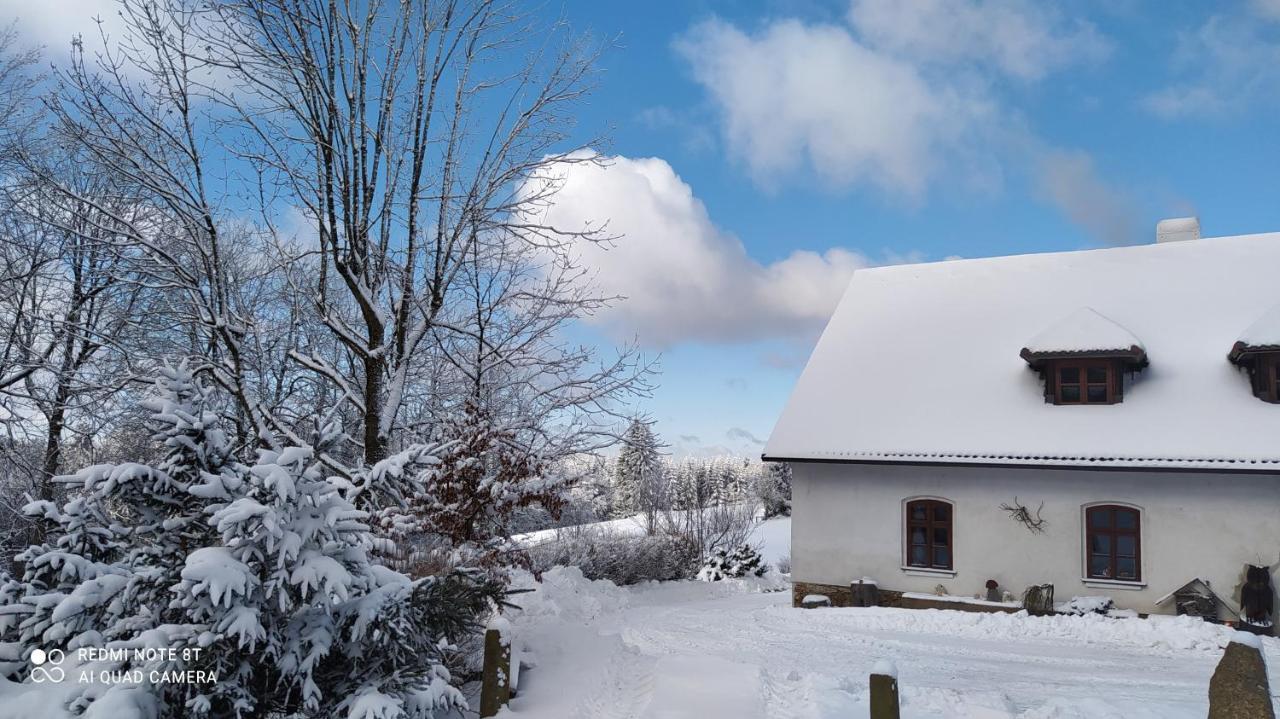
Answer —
848 522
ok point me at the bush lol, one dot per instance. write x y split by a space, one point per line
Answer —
742 562
622 559
784 564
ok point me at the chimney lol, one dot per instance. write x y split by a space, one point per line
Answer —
1178 229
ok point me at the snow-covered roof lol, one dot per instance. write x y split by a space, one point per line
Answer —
1084 330
920 363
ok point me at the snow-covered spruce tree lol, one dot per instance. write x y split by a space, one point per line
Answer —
744 561
112 552
775 489
640 483
265 569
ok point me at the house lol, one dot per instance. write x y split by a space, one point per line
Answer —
1128 399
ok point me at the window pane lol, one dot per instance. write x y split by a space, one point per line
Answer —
919 511
1100 544
940 538
1100 518
941 557
1097 393
1126 568
1100 566
917 535
1126 519
941 513
1070 393
918 556
1126 546
1097 374
1069 375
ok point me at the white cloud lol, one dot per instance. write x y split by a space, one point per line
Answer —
683 277
905 96
53 24
1069 180
1223 65
1267 8
1018 38
797 94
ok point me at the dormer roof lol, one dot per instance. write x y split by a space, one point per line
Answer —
1084 333
1261 336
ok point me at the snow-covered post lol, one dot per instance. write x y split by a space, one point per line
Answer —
495 685
884 690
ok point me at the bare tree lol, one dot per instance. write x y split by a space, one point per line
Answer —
88 313
137 110
405 133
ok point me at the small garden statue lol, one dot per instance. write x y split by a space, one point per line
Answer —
1257 599
993 591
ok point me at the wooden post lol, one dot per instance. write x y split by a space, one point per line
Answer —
495 684
884 691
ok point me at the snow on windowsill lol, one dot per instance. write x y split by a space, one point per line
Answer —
1112 583
927 572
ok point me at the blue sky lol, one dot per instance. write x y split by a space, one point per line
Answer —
1140 110
764 149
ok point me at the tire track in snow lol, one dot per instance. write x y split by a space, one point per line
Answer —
789 697
625 686
1040 665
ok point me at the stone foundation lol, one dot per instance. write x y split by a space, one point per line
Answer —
842 596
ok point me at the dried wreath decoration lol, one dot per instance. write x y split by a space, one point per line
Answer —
1019 513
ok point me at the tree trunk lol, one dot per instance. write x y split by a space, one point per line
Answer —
52 464
375 446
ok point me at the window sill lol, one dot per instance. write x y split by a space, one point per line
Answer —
1112 583
928 572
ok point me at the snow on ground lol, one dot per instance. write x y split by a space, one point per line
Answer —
728 649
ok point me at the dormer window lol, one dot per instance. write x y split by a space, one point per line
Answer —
1258 352
1085 381
1263 366
1083 357
1270 384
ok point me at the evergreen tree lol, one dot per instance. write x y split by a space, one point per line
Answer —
639 485
775 490
260 576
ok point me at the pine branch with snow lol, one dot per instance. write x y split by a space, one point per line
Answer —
265 569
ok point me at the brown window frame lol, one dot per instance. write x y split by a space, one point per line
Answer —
1273 390
1266 377
930 524
1112 532
1111 385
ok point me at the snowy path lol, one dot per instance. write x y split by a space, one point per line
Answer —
703 651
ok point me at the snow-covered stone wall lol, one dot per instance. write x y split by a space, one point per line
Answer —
848 521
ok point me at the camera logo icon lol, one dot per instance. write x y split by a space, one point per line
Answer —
45 666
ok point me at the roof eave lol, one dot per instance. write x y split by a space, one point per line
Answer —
1134 355
1225 466
1242 352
